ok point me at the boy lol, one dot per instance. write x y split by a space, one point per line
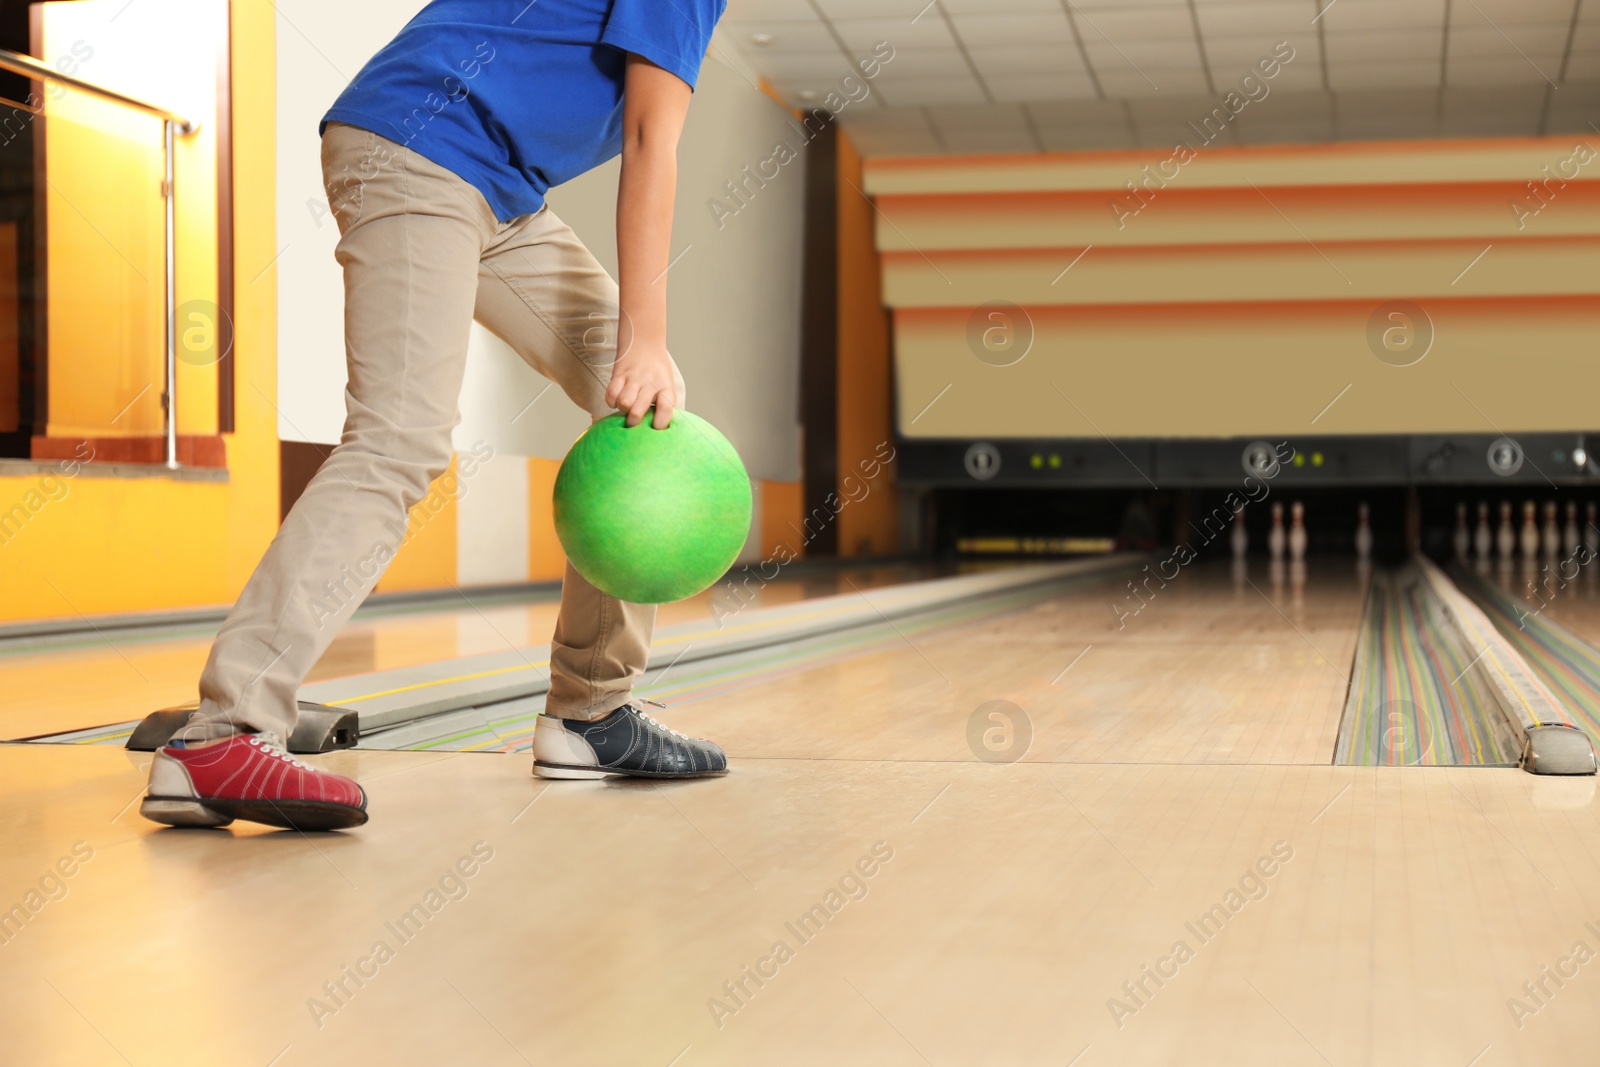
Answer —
437 158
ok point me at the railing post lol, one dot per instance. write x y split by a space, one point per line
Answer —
170 398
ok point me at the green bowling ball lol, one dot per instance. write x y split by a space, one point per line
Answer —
651 516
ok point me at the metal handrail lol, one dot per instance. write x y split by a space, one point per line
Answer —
171 123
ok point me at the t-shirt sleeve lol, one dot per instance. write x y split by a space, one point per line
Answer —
672 34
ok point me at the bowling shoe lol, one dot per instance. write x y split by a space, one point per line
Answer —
626 742
248 777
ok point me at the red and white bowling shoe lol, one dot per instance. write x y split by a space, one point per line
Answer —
249 777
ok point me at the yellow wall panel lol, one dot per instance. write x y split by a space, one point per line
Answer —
780 520
546 561
92 544
427 556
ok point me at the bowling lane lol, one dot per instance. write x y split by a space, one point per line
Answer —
106 675
1573 604
1056 884
1220 666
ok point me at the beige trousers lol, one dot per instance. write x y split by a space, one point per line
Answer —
423 255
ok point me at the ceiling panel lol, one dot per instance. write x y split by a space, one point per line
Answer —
931 30
1347 16
1393 46
1049 86
1026 58
1015 30
1129 24
1385 75
1262 20
1362 68
921 91
923 63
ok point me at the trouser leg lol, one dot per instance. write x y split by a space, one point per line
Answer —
412 234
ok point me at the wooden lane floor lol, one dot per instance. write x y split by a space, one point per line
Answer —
1171 874
1543 590
1217 666
106 676
805 911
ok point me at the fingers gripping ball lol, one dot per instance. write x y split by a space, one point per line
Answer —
650 516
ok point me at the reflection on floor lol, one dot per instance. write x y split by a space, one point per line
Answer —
120 676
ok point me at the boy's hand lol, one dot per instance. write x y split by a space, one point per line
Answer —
641 379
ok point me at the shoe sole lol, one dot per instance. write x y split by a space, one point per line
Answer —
544 769
288 814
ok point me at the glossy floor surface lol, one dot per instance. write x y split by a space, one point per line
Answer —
119 675
1067 834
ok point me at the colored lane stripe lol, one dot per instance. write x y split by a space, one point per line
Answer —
1567 664
1418 700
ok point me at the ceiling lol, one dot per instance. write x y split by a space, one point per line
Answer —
1051 75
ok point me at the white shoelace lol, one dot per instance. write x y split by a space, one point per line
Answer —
272 748
660 726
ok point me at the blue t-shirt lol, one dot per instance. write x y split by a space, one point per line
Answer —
516 96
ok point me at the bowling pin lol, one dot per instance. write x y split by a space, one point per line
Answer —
1552 532
1239 537
1571 539
1591 530
1363 532
1530 530
1463 538
1297 532
1483 537
1505 540
1275 536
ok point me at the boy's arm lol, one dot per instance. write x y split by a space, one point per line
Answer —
653 108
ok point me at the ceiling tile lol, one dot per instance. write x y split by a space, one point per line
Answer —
1484 124
1027 59
1088 112
1085 138
863 35
1348 16
1586 37
787 36
1393 46
981 140
1063 85
1381 75
1231 56
1574 107
897 10
947 117
1133 84
769 9
1419 100
1129 23
915 92
923 63
1010 30
1507 13
1581 66
793 66
1484 71
1263 21
1305 131
986 7
1542 44
1136 54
